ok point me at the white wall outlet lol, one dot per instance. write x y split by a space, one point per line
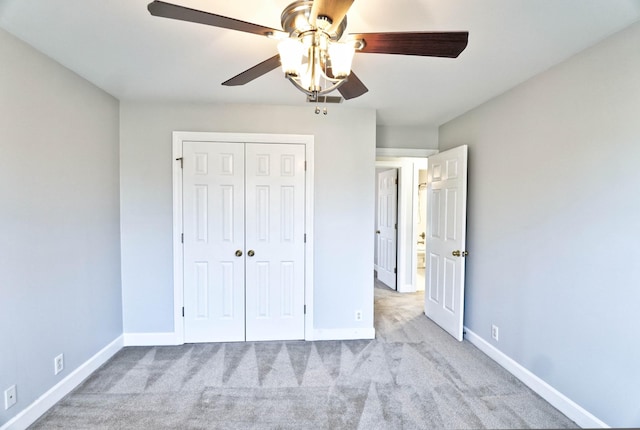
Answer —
58 364
10 396
358 315
494 332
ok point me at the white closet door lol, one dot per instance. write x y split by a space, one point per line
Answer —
387 229
275 187
213 214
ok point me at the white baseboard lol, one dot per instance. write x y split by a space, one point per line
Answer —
558 400
151 339
35 410
344 334
406 288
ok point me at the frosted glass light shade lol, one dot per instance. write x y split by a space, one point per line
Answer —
341 55
291 52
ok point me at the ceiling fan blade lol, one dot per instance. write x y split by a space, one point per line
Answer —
426 44
334 9
173 11
254 72
352 88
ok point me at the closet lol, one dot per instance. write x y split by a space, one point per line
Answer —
243 214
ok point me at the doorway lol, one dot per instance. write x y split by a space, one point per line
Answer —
243 256
409 163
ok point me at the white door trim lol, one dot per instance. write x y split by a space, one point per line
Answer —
178 261
404 152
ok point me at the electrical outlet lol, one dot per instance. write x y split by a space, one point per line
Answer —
494 332
10 397
358 315
58 364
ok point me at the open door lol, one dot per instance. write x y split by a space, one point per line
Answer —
446 237
387 228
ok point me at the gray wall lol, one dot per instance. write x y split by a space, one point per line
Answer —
344 205
414 137
60 245
553 225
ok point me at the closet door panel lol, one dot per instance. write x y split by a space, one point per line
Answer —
275 187
213 216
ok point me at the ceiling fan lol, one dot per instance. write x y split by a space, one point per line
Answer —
313 53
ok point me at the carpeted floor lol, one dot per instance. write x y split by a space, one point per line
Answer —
412 376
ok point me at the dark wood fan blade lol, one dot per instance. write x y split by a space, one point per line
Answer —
426 44
352 88
254 72
334 9
168 10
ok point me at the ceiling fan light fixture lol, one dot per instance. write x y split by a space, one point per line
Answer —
341 56
291 52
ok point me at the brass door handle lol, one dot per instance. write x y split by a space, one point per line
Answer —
238 253
251 253
465 253
456 253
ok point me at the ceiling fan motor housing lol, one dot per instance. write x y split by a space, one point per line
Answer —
295 20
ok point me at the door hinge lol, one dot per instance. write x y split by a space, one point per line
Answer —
305 166
305 238
396 181
395 270
183 312
395 226
182 238
305 309
180 160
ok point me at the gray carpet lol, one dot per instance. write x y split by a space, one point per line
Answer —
412 376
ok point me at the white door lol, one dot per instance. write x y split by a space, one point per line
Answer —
446 234
387 228
275 188
243 215
213 217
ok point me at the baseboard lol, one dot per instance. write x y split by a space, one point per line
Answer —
151 339
35 410
558 400
406 288
344 334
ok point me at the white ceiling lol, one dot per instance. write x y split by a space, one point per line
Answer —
119 46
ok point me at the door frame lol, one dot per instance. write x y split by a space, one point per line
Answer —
178 260
405 161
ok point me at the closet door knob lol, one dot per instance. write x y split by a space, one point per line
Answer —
238 253
251 253
456 253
